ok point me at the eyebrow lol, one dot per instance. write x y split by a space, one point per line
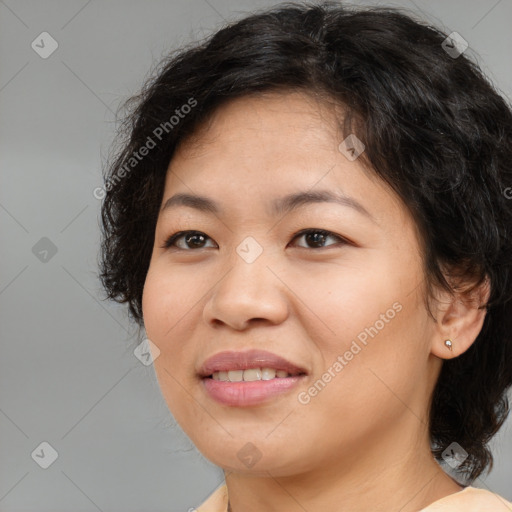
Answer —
279 206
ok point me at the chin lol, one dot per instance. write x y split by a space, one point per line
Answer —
253 458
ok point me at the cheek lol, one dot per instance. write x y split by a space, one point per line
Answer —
167 298
166 301
344 299
367 328
165 304
363 385
383 363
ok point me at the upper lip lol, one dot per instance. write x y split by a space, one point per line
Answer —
242 360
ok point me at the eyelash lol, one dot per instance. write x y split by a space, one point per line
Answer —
172 239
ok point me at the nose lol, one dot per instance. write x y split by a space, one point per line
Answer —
248 293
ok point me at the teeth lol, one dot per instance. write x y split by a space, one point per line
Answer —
268 373
251 374
236 375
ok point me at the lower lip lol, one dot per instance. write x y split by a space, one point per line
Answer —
244 394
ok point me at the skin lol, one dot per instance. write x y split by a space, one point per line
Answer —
362 442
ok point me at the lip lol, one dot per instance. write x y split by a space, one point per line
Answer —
243 360
248 393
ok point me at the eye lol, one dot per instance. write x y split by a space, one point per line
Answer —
317 237
197 239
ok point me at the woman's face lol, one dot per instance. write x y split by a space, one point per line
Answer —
345 308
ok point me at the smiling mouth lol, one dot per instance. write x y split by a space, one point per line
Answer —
249 378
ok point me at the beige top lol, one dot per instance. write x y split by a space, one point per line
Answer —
470 499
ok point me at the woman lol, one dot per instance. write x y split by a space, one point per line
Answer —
310 218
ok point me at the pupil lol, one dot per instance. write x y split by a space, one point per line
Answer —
315 240
190 237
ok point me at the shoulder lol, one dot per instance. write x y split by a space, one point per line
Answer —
216 502
470 499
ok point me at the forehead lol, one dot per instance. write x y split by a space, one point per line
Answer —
269 135
286 118
269 146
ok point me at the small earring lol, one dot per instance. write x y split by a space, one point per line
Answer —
448 343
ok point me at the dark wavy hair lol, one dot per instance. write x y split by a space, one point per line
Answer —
434 128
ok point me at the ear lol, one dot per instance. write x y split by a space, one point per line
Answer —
459 318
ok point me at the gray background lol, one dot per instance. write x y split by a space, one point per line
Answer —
68 375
